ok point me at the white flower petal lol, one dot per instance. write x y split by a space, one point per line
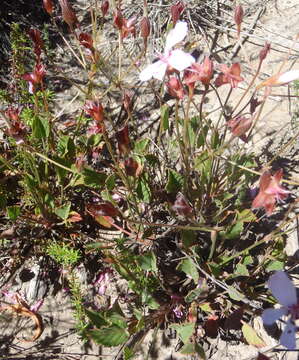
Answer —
156 70
282 288
288 77
176 35
288 337
180 60
269 316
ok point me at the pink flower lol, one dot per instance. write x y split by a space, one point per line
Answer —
176 59
270 191
103 280
229 75
199 72
285 292
36 77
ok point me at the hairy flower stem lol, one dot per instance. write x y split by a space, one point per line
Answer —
119 55
183 149
249 86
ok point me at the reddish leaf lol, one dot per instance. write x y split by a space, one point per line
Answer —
103 209
181 206
211 326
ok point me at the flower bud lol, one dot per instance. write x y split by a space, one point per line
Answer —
123 140
176 11
131 166
264 51
118 20
105 7
127 100
48 6
145 27
68 13
238 16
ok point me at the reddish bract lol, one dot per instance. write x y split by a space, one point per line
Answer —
132 167
35 36
118 19
264 52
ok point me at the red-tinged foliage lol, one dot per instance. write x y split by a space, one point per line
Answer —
16 129
229 75
35 36
233 321
270 191
13 113
48 6
181 206
123 140
97 128
74 217
132 167
239 126
175 88
211 326
105 7
103 209
176 11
